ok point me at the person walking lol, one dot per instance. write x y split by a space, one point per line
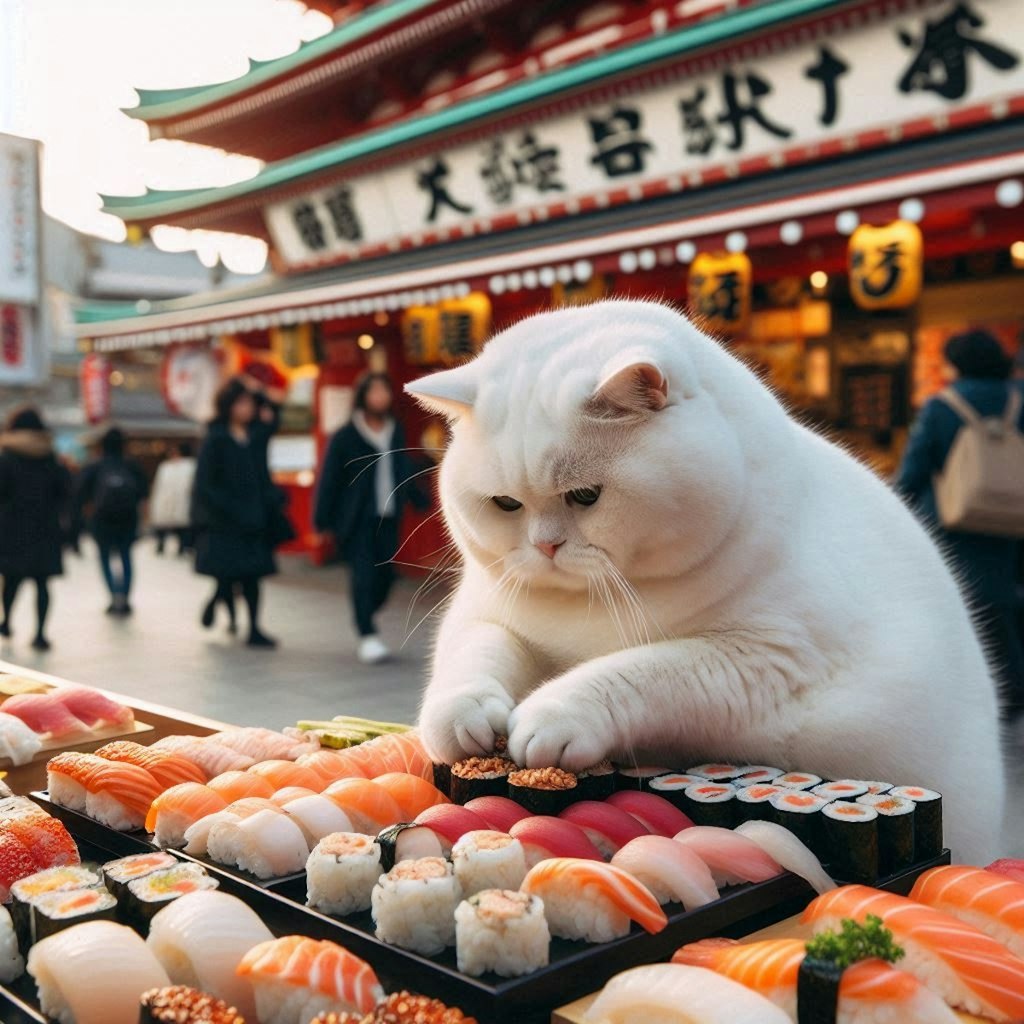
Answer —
359 500
111 490
35 491
236 505
171 498
979 371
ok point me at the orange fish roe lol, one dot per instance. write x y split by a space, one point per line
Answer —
401 1008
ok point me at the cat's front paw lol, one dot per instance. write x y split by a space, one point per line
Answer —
550 730
466 722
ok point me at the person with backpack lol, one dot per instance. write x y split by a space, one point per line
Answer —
963 471
110 491
34 497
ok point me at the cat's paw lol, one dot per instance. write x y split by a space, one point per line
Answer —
464 723
548 730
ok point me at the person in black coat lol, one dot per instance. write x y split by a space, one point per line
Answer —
34 496
236 506
360 498
111 490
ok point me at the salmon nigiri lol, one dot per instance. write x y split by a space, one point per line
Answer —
970 970
586 899
329 765
168 768
307 976
236 785
413 794
179 807
988 901
116 794
369 806
870 992
287 773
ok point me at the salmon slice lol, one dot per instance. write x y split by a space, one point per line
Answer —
190 800
167 768
287 773
969 969
992 903
329 765
413 794
319 966
131 786
237 785
369 806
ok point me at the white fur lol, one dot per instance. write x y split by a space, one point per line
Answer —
741 590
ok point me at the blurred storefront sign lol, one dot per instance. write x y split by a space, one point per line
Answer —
719 288
886 265
189 377
449 332
804 101
94 377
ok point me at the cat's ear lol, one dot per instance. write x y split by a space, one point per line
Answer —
629 389
449 393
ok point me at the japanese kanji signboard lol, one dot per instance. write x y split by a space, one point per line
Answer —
718 291
928 63
886 265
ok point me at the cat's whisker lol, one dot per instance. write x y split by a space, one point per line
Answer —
409 479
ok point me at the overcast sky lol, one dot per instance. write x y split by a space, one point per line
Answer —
68 66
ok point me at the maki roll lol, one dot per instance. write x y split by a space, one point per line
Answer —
753 774
877 788
754 803
596 782
479 776
927 820
717 772
801 814
488 860
443 778
414 905
895 831
118 873
179 1004
146 896
54 911
843 789
851 836
798 780
341 873
502 931
711 803
638 778
542 790
672 786
25 891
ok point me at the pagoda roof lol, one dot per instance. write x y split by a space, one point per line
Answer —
156 206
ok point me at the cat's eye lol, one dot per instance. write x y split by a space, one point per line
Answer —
584 495
505 503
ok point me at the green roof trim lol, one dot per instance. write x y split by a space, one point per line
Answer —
157 104
104 312
155 204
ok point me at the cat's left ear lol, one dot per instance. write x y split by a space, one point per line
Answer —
450 393
629 390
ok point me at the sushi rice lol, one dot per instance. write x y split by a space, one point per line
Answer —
414 905
12 965
502 931
341 873
488 860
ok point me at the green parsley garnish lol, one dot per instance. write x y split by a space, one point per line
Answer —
855 942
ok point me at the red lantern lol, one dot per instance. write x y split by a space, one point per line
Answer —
94 380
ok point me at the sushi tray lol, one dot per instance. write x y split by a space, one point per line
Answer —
575 968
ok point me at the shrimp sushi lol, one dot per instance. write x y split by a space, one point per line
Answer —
211 756
870 992
18 743
732 857
341 872
672 872
236 785
781 845
499 812
488 860
502 931
287 773
988 901
969 969
607 827
94 973
592 901
543 838
414 905
678 994
659 816
95 709
369 806
176 809
166 767
201 939
412 793
317 817
45 714
267 844
294 978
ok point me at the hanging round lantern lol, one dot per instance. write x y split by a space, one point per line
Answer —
886 265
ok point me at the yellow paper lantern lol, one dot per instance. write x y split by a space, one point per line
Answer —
421 335
579 294
719 291
293 345
886 265
465 325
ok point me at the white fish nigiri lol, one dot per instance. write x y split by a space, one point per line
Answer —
201 938
673 872
780 844
197 835
676 994
733 858
94 973
17 741
317 817
267 844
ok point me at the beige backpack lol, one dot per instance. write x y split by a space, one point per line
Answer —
981 486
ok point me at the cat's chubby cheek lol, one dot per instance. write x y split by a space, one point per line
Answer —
548 730
464 722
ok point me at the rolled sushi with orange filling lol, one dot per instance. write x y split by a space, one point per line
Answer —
851 835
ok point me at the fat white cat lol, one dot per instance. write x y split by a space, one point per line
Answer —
660 565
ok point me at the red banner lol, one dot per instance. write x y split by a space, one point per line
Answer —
94 378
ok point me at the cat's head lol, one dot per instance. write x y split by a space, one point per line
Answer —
589 441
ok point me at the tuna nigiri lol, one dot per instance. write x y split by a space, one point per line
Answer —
166 767
654 812
585 899
543 837
238 785
45 714
96 709
673 873
499 812
733 858
990 902
294 978
450 822
412 793
287 773
970 970
175 809
870 992
607 827
658 994
369 806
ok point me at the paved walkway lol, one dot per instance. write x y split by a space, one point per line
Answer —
162 654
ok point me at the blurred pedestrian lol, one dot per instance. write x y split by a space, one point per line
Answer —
110 492
980 372
35 491
236 504
360 498
171 498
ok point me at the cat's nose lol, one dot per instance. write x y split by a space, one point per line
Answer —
548 549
